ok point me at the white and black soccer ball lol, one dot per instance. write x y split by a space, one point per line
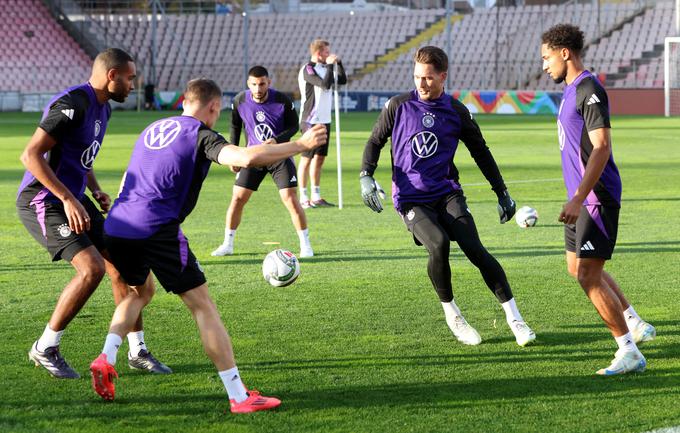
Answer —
280 268
526 217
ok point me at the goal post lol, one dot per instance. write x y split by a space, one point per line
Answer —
671 76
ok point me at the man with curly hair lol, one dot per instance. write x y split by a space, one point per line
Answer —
593 184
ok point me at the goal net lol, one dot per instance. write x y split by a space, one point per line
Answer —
671 76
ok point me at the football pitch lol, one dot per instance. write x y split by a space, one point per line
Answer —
359 342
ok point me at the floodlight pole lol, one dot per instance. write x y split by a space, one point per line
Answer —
448 43
246 19
154 41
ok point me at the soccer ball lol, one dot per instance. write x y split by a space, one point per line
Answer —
280 268
526 217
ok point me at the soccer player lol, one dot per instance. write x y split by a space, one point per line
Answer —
53 207
593 184
425 126
316 79
169 162
269 117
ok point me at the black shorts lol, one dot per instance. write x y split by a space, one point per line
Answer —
48 224
321 150
442 211
283 172
594 234
166 253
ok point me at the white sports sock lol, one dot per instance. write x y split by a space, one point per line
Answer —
316 192
49 338
136 342
304 238
229 236
451 310
626 343
303 194
233 384
111 346
511 311
631 315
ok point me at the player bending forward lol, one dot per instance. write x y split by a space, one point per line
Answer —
425 126
591 215
169 162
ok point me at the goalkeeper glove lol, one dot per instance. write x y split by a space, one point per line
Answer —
506 206
369 192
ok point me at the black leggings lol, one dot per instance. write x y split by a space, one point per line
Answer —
436 228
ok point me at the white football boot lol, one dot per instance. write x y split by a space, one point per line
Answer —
523 334
465 333
306 251
642 332
625 362
223 250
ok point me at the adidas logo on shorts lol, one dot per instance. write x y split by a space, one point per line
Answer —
588 247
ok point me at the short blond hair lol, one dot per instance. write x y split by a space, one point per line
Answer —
318 45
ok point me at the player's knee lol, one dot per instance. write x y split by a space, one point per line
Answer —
572 270
438 247
588 276
92 272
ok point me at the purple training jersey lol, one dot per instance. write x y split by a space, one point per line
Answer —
274 118
584 108
169 162
77 121
425 137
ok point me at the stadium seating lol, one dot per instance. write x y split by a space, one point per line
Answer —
212 45
37 54
622 46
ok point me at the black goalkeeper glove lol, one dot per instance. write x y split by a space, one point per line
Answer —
506 206
369 192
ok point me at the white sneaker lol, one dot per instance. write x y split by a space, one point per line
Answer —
223 250
628 362
465 333
642 332
306 252
523 334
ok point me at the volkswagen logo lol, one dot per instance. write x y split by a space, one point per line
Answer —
263 132
424 144
161 134
87 158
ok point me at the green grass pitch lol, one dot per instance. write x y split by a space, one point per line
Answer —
358 343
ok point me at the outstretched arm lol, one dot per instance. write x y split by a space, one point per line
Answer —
266 154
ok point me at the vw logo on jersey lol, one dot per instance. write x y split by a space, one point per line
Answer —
263 132
428 120
97 127
260 116
88 156
161 134
424 144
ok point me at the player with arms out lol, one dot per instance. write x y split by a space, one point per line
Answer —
269 117
316 79
53 207
425 127
593 184
169 162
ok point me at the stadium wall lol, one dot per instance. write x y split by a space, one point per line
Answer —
636 101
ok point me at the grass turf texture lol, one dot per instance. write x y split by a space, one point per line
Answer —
359 343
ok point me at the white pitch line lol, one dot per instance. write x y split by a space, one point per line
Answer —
510 182
675 429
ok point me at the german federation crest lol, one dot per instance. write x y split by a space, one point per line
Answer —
260 116
428 120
